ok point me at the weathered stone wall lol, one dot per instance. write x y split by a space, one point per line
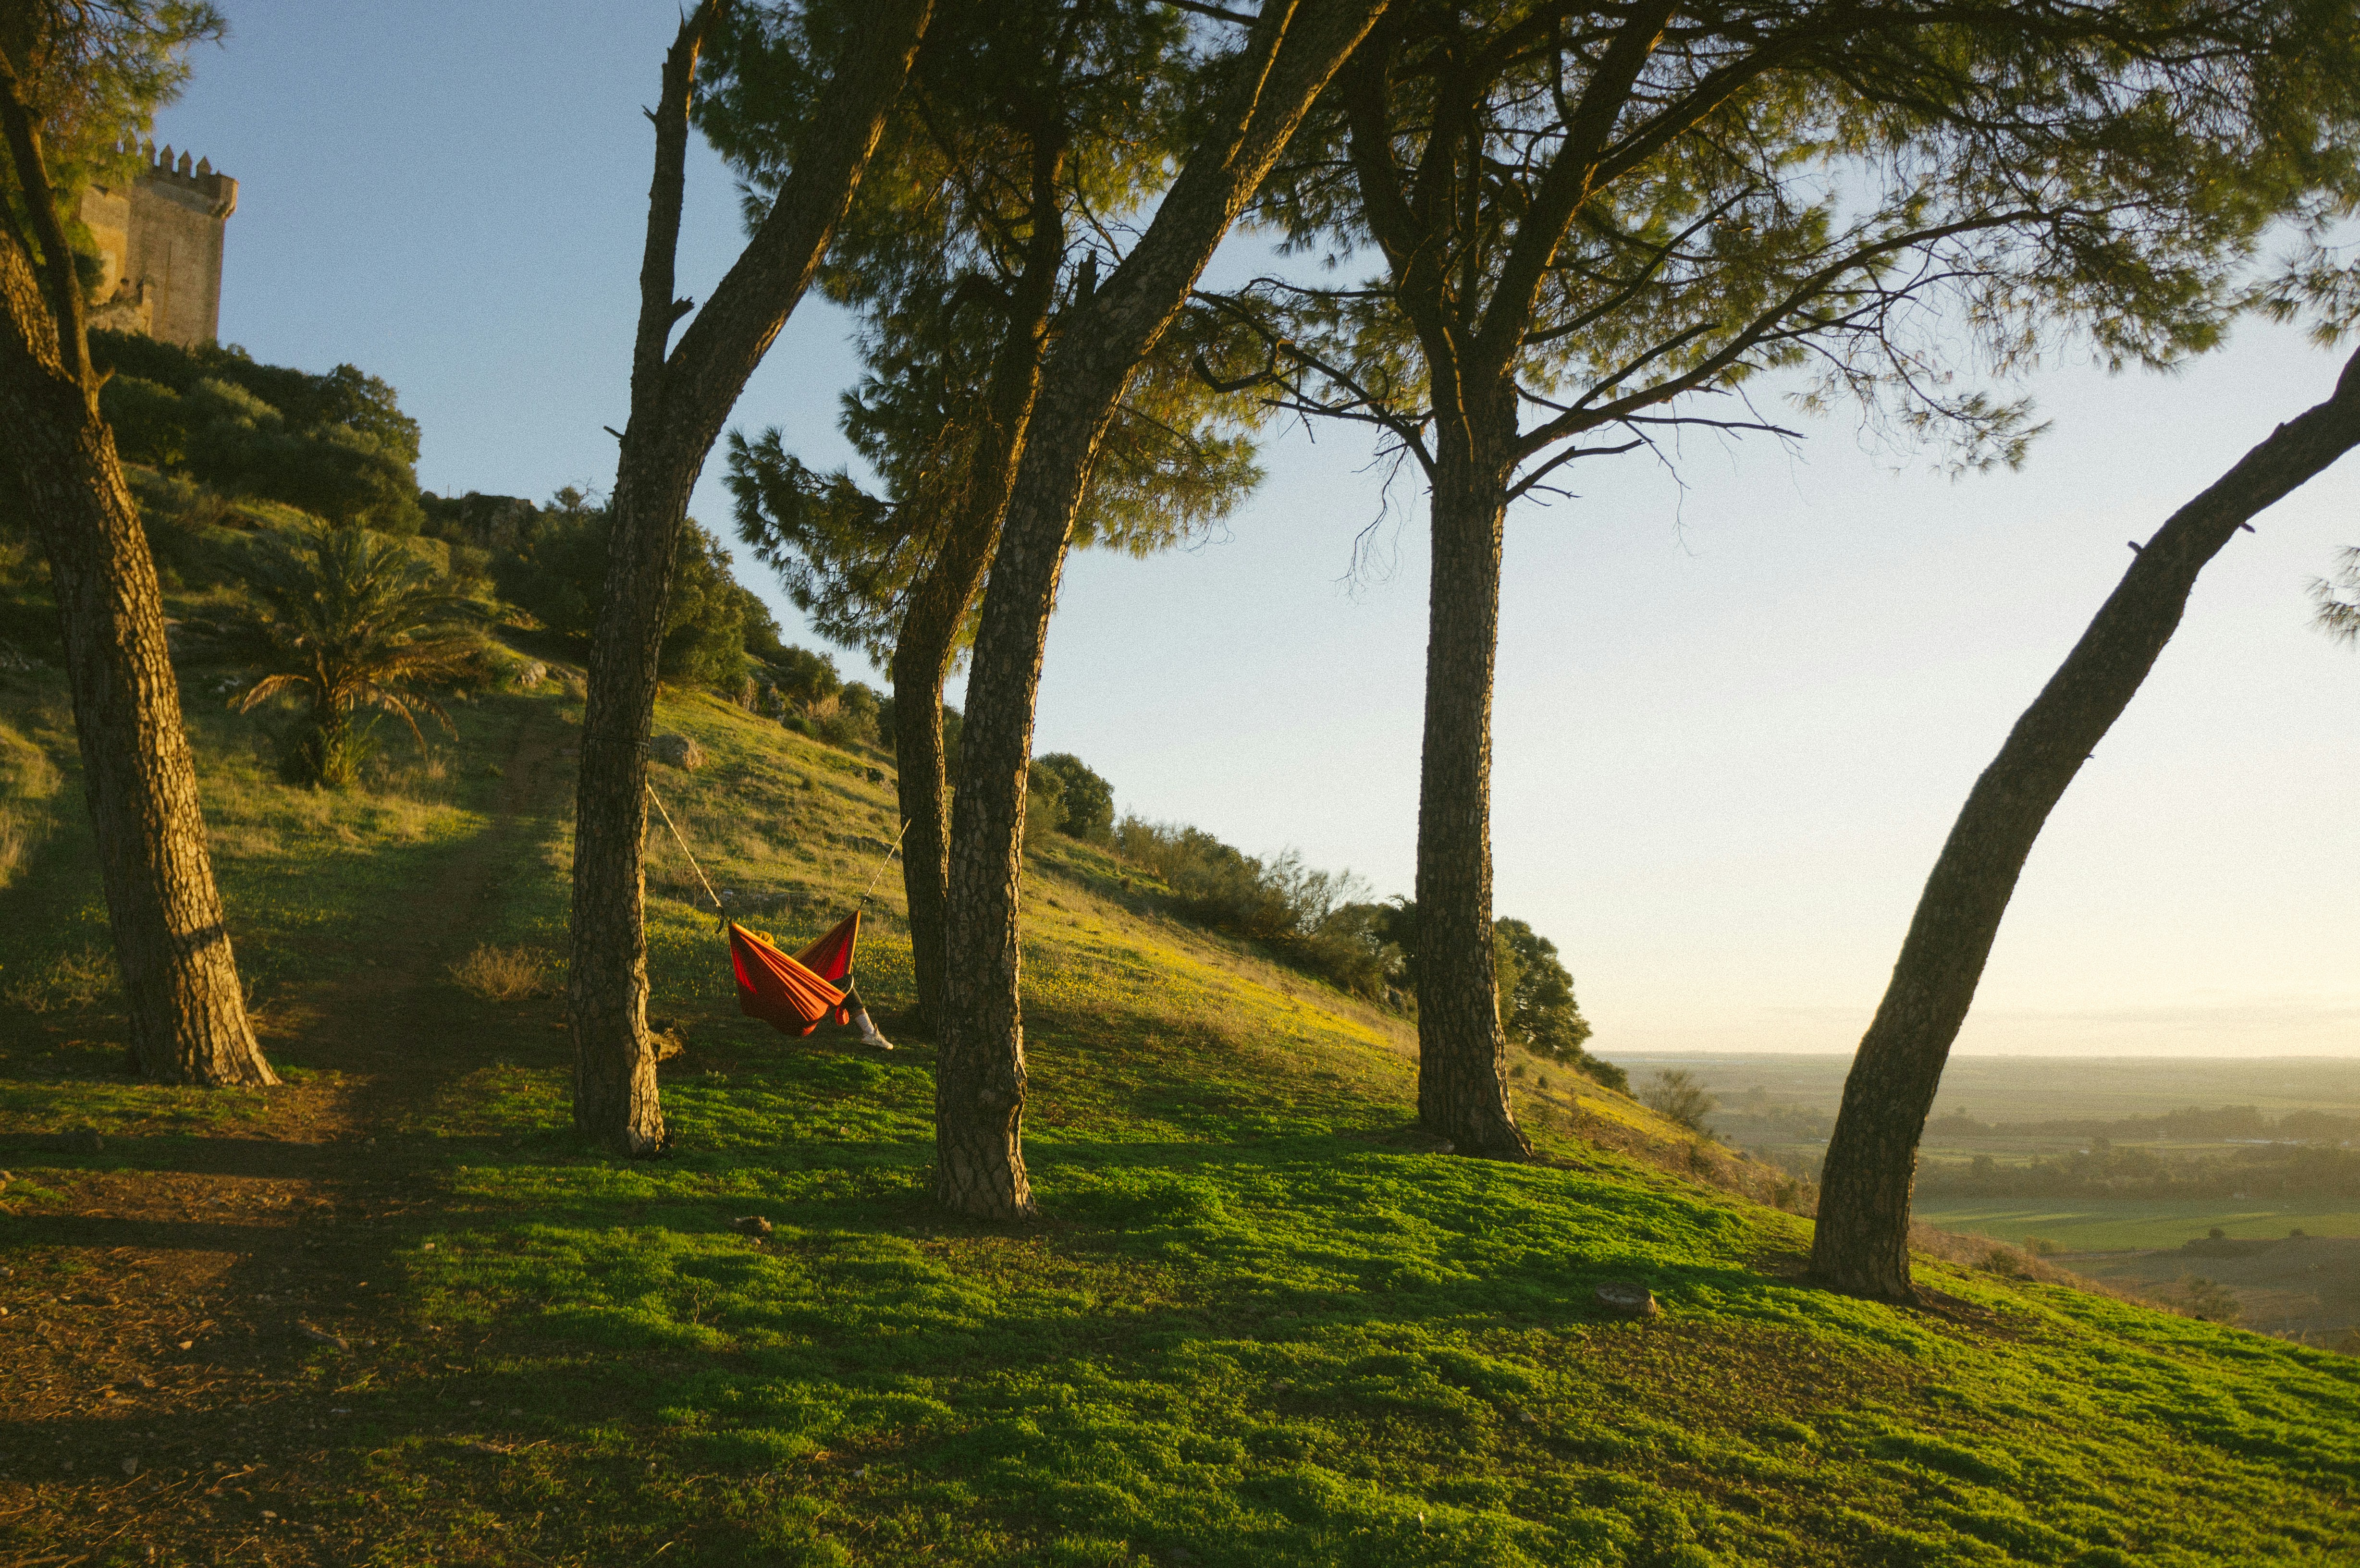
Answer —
161 239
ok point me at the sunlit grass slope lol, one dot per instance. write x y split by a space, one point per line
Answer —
1259 1324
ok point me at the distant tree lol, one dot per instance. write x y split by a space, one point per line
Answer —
351 620
1538 1007
805 677
1085 801
2205 1299
688 366
1679 1094
1861 1241
73 78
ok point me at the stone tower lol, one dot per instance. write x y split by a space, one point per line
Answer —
161 242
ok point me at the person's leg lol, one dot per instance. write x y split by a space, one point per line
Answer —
857 1013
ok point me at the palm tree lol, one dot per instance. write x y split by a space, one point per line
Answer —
353 620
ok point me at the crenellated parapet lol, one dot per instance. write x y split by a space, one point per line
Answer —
161 237
216 192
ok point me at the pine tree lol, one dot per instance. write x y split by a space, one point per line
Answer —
72 78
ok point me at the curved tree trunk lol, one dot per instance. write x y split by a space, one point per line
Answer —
1462 1079
1862 1245
188 1010
679 402
980 1077
921 786
938 603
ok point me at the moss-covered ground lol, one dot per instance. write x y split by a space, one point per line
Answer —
1261 1322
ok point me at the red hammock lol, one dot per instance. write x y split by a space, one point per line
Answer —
796 995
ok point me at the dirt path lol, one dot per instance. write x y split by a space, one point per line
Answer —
168 1406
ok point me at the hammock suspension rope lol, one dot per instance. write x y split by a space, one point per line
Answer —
794 995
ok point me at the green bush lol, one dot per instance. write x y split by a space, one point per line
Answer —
556 571
1086 808
337 445
1308 917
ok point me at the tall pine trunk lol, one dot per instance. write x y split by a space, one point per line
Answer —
922 664
980 1077
939 602
1862 1244
171 942
680 398
1462 1079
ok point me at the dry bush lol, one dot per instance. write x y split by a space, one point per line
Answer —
502 973
71 980
14 845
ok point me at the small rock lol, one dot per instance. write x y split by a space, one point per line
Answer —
81 1140
532 674
131 1466
678 750
750 1224
1624 1299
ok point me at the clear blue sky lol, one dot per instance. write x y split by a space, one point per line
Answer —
1735 718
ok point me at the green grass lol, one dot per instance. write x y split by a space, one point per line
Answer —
1258 1325
2103 1224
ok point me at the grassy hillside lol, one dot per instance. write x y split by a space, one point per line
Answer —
1261 1322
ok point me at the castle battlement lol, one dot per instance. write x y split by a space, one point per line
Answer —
161 237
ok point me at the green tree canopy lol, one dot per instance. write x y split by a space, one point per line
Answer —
1023 122
1085 801
558 570
337 445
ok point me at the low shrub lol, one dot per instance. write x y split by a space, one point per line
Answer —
501 974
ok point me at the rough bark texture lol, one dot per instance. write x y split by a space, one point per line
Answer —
980 1073
1862 1246
1471 341
679 402
938 603
188 1010
1462 1072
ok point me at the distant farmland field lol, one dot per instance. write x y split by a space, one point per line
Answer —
2087 1224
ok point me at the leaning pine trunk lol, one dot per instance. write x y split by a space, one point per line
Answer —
1862 1246
1462 1080
980 1076
680 398
188 1010
923 781
938 604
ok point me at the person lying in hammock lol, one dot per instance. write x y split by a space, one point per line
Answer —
796 994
